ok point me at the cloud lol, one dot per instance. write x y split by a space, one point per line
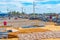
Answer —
28 9
40 7
3 3
42 0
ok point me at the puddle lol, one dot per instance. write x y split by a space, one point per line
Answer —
32 26
12 30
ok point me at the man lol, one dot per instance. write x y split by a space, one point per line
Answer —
50 18
5 23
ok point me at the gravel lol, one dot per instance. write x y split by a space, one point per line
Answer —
39 35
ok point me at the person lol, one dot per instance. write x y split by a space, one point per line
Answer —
9 18
50 18
5 23
15 18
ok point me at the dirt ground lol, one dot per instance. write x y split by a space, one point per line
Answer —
24 22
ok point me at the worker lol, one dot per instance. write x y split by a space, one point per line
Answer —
5 23
50 18
9 18
15 18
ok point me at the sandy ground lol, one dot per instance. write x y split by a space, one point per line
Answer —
10 39
25 22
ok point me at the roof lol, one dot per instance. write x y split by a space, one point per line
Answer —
3 14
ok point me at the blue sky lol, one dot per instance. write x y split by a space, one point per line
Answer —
41 6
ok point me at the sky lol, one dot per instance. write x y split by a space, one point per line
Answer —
41 6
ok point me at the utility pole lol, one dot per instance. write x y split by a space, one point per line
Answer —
7 10
34 8
22 9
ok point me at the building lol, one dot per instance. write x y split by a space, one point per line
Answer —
4 14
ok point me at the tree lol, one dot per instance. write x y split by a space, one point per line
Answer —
14 13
